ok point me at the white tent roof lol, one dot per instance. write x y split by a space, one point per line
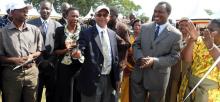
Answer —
33 11
216 15
4 5
199 13
91 12
54 13
195 12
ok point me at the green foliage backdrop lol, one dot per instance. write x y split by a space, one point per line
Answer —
124 6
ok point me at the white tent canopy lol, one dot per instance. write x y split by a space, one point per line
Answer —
4 4
91 12
216 15
199 13
180 8
33 12
54 13
195 12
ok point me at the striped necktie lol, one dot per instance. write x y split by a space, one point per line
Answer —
44 28
106 53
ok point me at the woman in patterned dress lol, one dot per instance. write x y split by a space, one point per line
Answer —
200 53
125 92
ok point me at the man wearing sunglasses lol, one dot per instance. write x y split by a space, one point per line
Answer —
99 75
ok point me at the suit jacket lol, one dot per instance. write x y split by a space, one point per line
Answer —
165 49
62 21
90 44
52 25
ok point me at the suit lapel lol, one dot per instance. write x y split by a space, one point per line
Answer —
49 26
112 42
97 38
39 23
163 34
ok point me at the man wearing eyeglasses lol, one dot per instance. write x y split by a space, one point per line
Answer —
99 75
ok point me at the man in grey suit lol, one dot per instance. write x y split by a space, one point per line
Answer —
156 49
47 60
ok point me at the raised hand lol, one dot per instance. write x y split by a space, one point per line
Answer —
192 31
208 38
190 28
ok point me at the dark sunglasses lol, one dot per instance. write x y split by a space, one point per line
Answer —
101 15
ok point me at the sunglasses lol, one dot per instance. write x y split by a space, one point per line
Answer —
101 15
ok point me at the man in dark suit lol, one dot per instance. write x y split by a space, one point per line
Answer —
156 49
65 6
99 75
46 61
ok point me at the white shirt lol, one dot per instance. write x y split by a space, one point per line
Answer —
162 27
42 20
107 63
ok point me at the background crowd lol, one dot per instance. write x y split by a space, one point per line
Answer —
106 59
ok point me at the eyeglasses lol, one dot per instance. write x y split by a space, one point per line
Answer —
101 15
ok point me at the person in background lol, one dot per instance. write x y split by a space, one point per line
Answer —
136 26
156 49
123 48
46 62
130 62
200 53
99 75
180 69
113 18
66 45
20 45
131 18
6 19
64 8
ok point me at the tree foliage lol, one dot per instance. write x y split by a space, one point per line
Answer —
124 6
209 12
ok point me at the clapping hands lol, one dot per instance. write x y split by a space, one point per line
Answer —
145 62
189 28
208 38
70 44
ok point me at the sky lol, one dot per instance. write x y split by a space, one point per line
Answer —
181 8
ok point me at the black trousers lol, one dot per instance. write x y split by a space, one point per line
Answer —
66 82
47 80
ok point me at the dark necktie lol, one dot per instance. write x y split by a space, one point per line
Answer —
156 32
44 27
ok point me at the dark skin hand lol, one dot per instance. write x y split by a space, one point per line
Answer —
208 38
145 62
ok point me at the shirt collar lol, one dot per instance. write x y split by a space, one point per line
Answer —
100 29
12 26
42 20
66 30
162 25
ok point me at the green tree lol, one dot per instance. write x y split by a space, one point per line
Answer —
143 18
124 6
